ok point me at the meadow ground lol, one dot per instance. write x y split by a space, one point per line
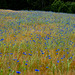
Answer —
37 43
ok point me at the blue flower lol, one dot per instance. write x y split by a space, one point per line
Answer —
56 53
45 43
48 38
4 44
15 59
26 60
45 48
0 53
30 54
58 49
49 57
36 70
47 67
34 40
18 72
70 57
67 52
64 50
42 53
58 61
11 53
14 36
1 39
61 58
24 53
18 61
26 64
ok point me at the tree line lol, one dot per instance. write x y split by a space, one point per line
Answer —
67 6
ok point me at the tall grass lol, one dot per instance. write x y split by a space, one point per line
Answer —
37 43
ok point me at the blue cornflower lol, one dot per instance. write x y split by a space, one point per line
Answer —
0 53
64 50
58 49
1 39
47 67
67 52
26 60
45 48
8 67
49 57
70 57
56 53
48 38
30 54
15 59
24 53
48 50
36 70
61 58
26 64
18 61
58 61
42 53
11 53
14 36
34 40
18 72
45 43
4 44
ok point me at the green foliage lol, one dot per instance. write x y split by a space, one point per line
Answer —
68 7
73 7
63 8
56 4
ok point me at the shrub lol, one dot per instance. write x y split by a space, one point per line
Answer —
56 4
73 7
68 7
64 8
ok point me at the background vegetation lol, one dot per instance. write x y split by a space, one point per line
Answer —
67 6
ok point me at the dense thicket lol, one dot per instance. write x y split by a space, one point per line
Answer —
67 6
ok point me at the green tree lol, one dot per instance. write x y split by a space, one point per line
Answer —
56 4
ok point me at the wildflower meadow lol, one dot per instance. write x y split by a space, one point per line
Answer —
37 43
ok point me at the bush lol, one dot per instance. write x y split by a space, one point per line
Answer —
73 7
64 8
68 7
56 4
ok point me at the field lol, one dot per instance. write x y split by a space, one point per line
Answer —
37 43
